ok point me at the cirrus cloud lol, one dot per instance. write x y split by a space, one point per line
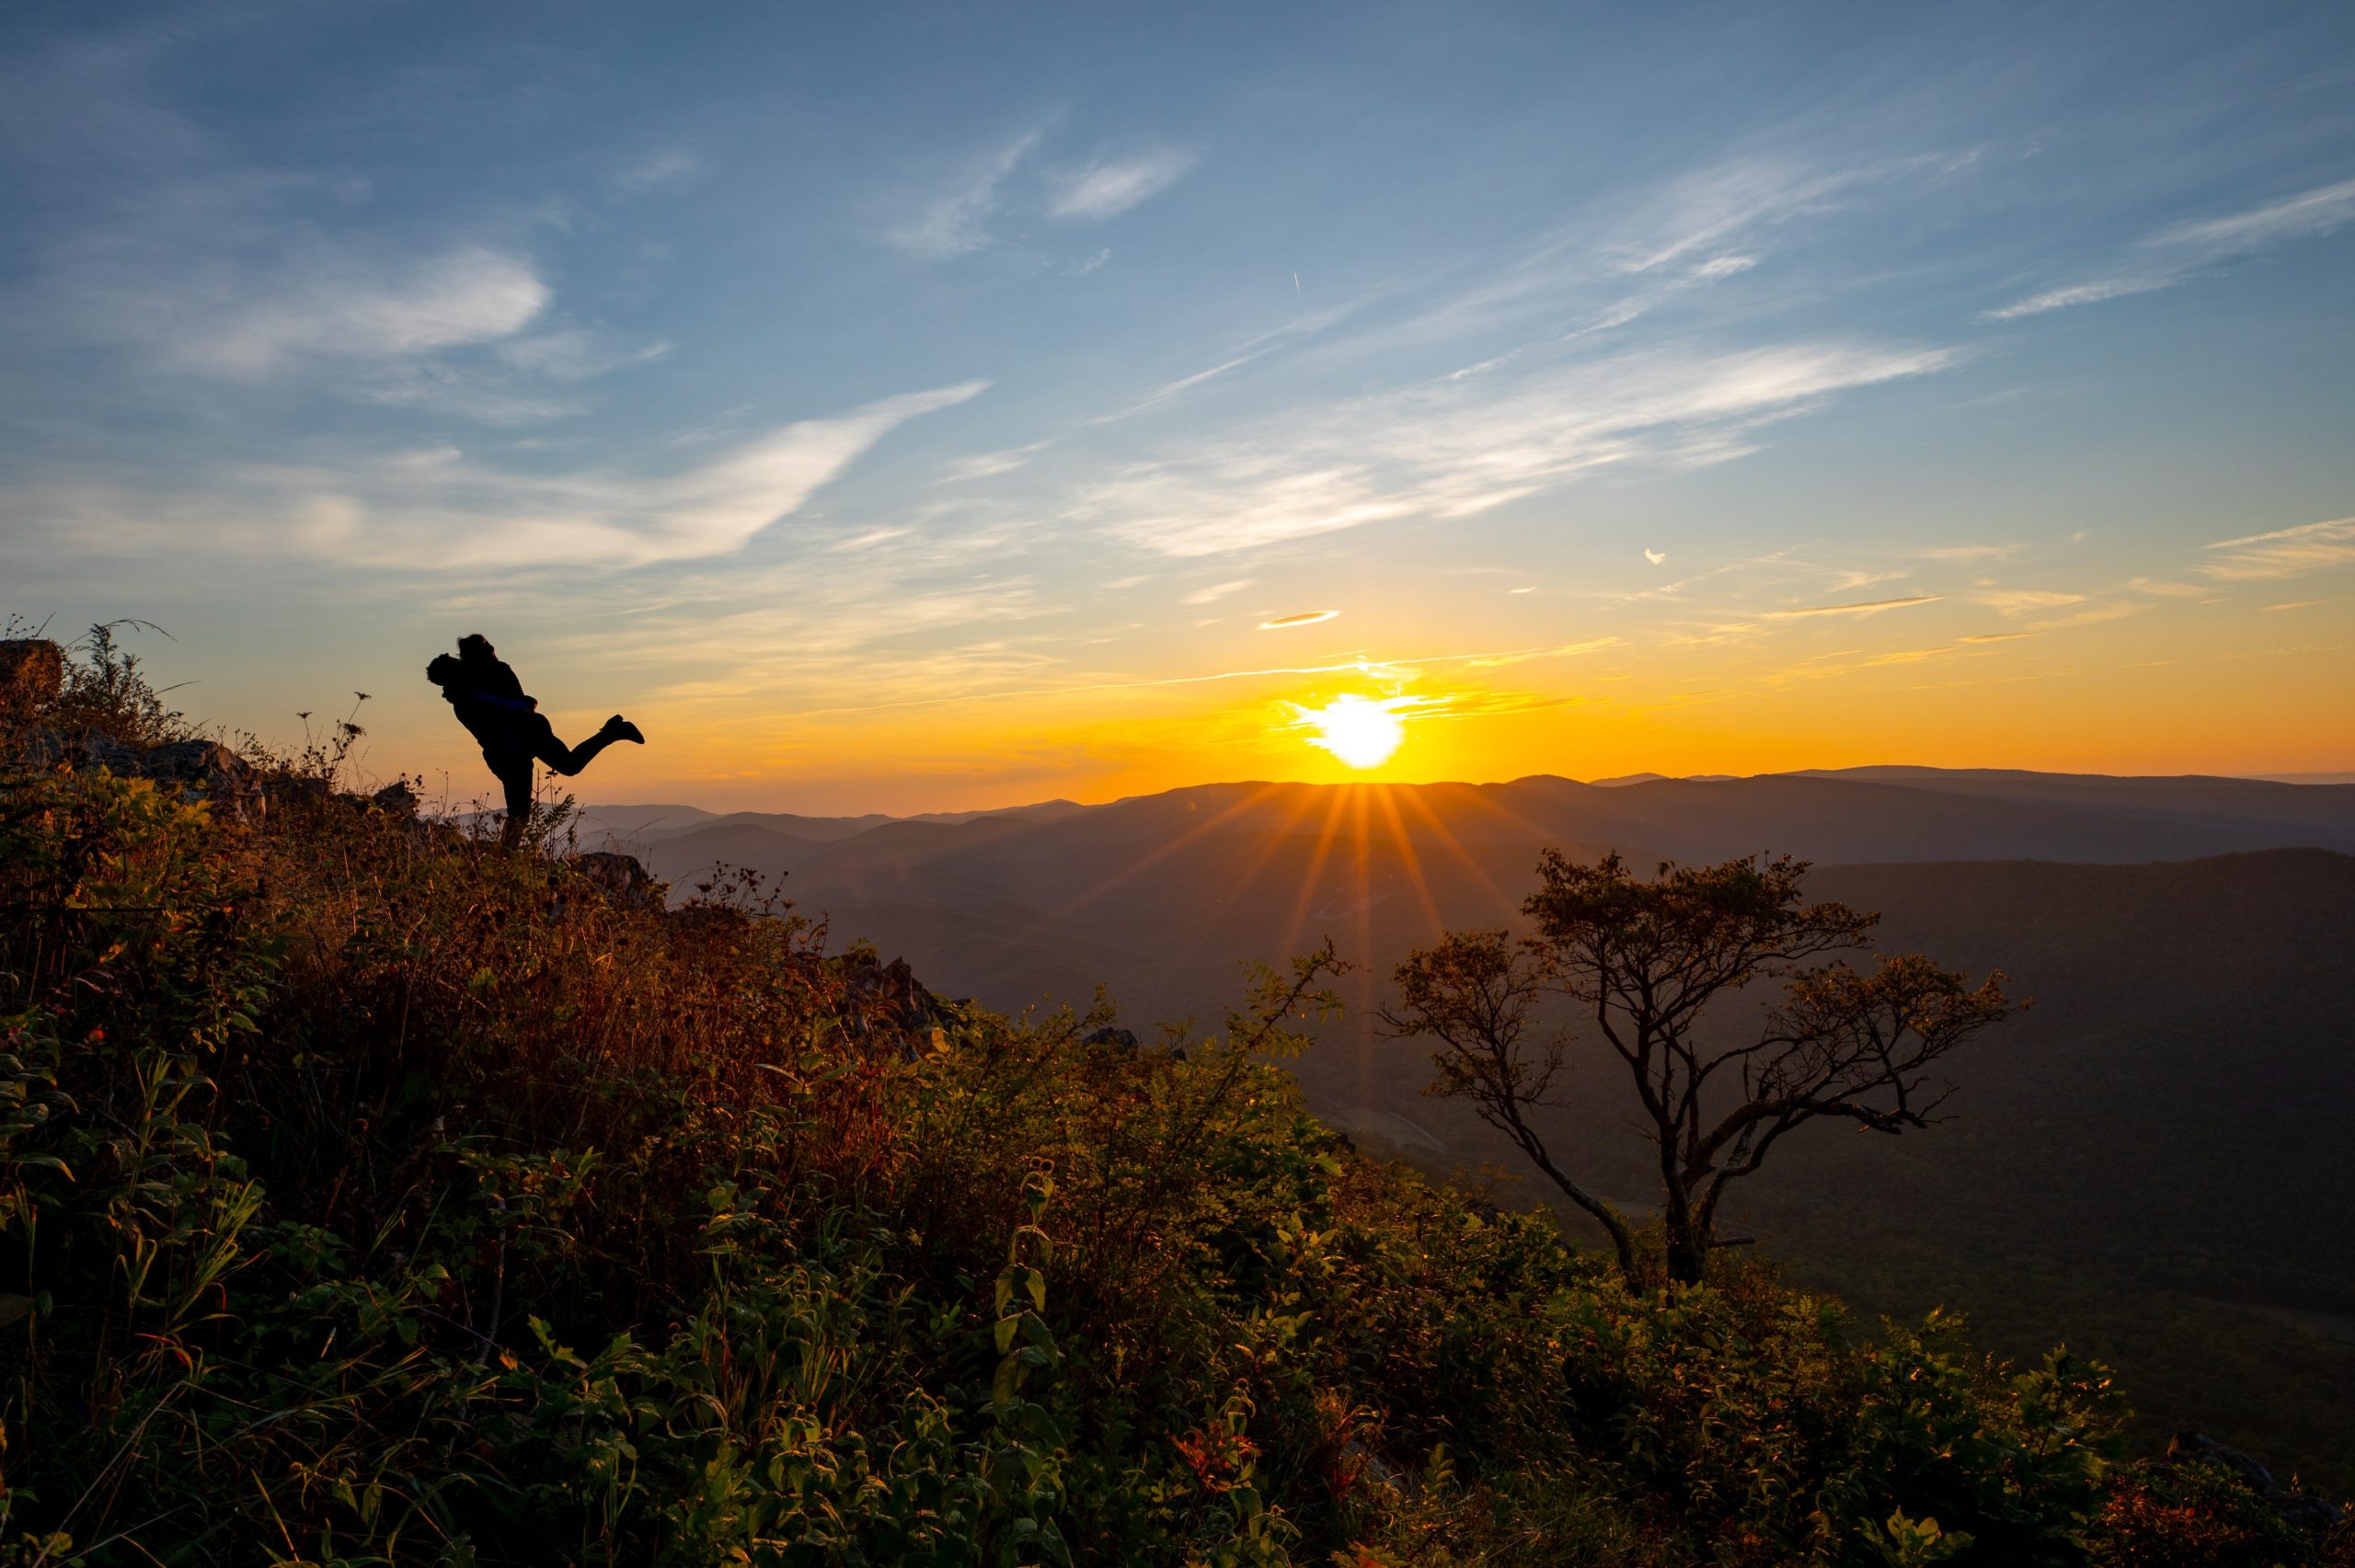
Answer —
1107 188
1451 449
344 307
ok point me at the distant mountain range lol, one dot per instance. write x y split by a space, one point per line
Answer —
2160 1137
1159 896
1832 814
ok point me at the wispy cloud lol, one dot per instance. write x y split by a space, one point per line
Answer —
1714 206
1969 551
955 222
347 306
2019 602
2176 252
2284 553
989 464
1525 655
570 354
672 170
1453 448
442 512
1110 186
1869 607
1178 387
1217 592
1370 670
1299 618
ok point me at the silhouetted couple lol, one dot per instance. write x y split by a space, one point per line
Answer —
492 704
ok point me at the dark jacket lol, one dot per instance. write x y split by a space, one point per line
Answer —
491 703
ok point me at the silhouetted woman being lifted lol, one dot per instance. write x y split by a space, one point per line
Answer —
492 704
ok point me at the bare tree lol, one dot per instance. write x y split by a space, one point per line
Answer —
1643 960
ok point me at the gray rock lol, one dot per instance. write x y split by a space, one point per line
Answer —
192 771
625 883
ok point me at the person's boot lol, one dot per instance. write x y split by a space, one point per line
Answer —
621 729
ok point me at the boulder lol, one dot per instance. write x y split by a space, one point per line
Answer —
191 770
888 994
625 883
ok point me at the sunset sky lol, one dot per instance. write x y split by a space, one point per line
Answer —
909 407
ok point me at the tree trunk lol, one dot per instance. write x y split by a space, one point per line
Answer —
1688 1244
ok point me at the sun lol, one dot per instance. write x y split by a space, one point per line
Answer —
1362 731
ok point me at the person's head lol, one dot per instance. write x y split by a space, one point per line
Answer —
475 648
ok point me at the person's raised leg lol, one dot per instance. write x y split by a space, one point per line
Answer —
570 761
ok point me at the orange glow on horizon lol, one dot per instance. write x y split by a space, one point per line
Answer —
2179 690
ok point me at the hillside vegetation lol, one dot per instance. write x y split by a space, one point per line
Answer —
373 1196
2139 1164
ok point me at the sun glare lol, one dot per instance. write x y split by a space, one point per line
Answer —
1360 731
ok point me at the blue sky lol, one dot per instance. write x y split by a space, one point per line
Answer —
935 406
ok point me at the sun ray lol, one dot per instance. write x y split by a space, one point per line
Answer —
1409 861
1275 842
1363 999
1208 825
1365 911
1301 906
1487 803
1455 846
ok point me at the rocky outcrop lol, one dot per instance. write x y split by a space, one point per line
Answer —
889 995
396 799
191 770
625 883
2299 1509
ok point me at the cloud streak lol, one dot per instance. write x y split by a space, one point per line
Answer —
2284 553
2175 253
1451 449
955 222
438 513
1869 607
341 307
1107 188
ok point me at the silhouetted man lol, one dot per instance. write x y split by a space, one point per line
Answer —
492 704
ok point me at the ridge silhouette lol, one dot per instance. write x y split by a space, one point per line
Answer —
508 724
